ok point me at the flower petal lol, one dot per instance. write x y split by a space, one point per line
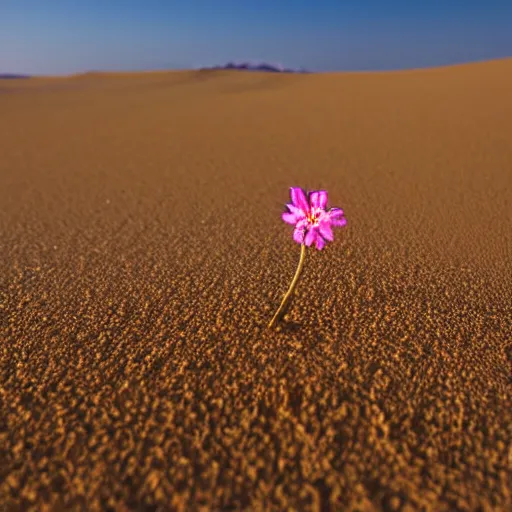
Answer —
335 216
297 211
320 243
339 222
299 199
318 199
325 230
311 236
298 235
335 212
289 218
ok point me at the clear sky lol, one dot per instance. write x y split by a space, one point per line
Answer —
69 36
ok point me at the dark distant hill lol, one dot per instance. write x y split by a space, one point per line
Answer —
6 76
248 66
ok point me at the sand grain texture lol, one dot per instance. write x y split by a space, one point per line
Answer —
142 255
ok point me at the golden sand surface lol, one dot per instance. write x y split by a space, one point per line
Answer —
143 254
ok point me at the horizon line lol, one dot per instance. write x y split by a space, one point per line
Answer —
22 75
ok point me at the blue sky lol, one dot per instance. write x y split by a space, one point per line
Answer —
69 36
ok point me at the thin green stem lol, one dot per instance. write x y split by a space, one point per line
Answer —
289 294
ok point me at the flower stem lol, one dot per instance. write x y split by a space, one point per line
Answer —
285 303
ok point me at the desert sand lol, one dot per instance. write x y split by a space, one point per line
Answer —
143 254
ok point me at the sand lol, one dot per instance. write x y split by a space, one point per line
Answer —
143 254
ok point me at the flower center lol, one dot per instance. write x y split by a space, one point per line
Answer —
313 217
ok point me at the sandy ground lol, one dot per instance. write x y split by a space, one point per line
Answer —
142 255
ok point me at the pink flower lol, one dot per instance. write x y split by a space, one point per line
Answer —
313 223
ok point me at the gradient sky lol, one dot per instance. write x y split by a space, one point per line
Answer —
69 36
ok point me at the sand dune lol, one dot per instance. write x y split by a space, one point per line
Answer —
143 254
